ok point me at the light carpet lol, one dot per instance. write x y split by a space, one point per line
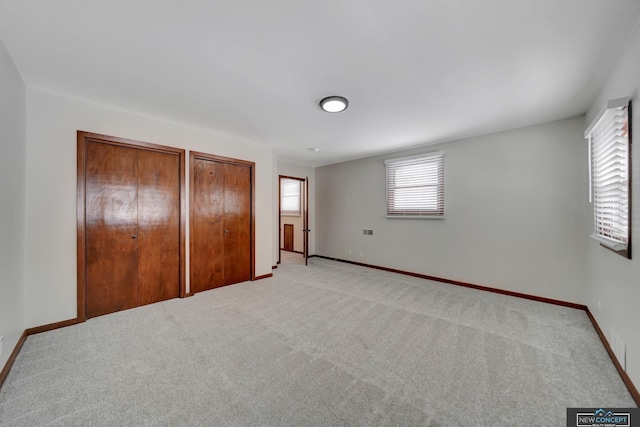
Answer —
330 344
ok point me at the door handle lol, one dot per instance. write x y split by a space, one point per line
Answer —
133 237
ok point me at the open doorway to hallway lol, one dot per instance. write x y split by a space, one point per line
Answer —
293 239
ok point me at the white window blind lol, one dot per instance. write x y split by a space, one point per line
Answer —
290 196
415 186
609 140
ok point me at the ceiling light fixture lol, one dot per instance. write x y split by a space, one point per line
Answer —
334 104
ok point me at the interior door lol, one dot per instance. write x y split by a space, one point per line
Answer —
305 204
130 217
111 218
207 225
288 237
158 226
221 223
237 223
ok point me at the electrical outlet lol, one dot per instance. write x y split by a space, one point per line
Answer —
349 252
365 231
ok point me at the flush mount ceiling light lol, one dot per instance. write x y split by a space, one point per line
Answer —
334 104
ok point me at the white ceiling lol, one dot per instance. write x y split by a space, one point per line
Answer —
415 71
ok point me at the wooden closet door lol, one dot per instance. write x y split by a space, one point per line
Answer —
237 223
111 217
158 226
288 237
130 205
207 225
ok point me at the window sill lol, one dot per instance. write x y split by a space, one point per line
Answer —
617 247
415 216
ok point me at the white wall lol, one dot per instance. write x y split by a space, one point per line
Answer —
299 171
12 207
514 205
51 190
612 279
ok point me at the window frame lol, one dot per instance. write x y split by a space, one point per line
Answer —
618 242
436 159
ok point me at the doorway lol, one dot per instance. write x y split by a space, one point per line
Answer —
293 221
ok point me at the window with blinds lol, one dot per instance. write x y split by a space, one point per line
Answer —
610 172
290 197
415 186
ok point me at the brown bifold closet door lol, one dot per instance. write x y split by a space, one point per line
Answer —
132 226
111 228
237 223
221 222
158 226
207 225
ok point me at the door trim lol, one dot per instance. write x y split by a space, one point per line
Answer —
82 139
196 155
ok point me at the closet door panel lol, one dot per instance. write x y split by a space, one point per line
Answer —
207 234
111 214
237 217
158 226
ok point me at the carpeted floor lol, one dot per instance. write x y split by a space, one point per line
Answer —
287 257
325 345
